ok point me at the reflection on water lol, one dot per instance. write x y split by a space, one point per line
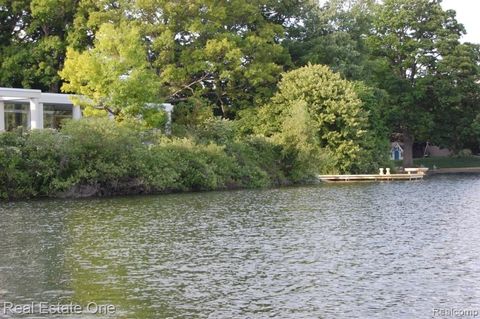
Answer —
380 250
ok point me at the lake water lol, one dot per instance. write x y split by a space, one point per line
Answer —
366 250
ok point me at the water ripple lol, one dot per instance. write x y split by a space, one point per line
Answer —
384 250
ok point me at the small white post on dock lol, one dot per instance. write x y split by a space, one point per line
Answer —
381 171
388 170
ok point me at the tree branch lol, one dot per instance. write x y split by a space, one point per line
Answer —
189 86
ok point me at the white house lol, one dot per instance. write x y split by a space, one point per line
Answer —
396 152
34 109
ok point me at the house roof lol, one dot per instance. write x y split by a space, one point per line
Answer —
23 95
397 145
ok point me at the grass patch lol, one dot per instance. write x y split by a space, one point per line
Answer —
445 162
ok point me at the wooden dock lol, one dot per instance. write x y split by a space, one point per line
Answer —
370 177
411 174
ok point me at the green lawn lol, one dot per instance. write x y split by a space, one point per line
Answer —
445 162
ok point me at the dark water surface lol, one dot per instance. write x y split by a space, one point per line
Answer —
370 250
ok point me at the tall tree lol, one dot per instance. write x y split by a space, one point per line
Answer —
455 90
316 107
114 74
226 54
334 34
33 42
412 37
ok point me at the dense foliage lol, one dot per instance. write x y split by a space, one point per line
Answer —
315 111
266 92
409 53
96 157
224 55
33 42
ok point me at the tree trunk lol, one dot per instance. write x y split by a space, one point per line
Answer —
55 87
407 150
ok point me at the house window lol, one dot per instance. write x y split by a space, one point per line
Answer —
55 114
16 115
396 154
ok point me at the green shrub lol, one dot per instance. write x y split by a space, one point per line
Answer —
97 156
42 158
196 167
216 130
463 153
319 120
29 163
249 172
99 152
157 166
14 181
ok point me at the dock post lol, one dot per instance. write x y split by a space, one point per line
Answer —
388 170
380 171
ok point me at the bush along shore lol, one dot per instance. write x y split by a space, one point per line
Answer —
309 127
99 157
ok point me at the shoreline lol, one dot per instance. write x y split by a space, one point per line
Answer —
61 196
456 170
439 171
